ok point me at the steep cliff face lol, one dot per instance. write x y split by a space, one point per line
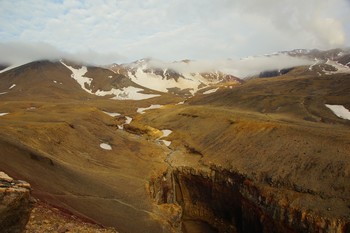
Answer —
227 201
15 204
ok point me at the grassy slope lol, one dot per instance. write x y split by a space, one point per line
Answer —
274 131
51 138
57 150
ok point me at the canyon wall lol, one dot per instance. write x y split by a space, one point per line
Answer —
229 202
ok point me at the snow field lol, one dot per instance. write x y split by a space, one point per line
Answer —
340 68
126 93
157 82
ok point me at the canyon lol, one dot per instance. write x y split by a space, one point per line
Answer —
223 155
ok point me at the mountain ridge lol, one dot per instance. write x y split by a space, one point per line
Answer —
231 157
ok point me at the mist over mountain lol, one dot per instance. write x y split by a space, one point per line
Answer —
238 67
15 54
18 53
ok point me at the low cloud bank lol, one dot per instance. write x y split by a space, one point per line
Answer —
16 53
241 68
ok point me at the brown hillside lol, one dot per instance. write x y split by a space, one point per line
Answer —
263 156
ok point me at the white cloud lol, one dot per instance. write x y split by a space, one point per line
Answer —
173 30
238 67
19 53
16 53
311 23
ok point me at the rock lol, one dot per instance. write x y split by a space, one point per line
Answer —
66 228
5 177
62 230
16 204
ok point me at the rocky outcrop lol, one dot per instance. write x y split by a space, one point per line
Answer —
145 130
16 204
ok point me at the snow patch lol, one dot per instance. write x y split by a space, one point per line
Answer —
153 106
210 91
3 93
316 63
11 67
105 146
126 93
179 103
112 114
3 113
12 86
167 143
166 133
54 81
128 120
77 74
340 111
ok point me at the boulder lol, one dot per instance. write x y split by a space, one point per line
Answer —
16 204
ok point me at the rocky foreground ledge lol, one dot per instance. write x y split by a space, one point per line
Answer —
20 212
16 204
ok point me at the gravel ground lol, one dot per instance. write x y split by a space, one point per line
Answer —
45 218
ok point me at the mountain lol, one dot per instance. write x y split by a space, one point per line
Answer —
3 66
176 78
135 81
154 146
60 79
335 60
333 54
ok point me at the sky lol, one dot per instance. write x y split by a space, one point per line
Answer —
107 31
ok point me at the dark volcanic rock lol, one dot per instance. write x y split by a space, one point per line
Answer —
15 204
3 66
345 60
274 73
